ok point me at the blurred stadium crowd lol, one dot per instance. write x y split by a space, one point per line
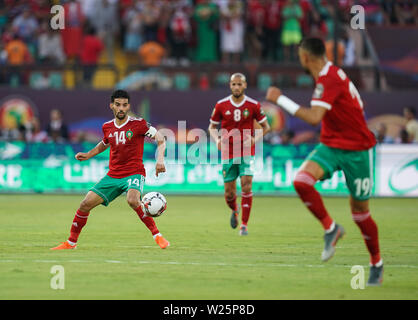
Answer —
179 31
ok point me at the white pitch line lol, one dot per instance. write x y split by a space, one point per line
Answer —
219 264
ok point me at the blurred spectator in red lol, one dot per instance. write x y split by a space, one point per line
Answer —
291 32
272 22
72 34
180 31
254 23
231 30
206 16
41 9
50 47
411 125
92 46
56 129
151 53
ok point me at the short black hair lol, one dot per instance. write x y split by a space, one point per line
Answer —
119 94
314 46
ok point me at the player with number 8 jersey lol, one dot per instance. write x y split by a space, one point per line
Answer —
125 135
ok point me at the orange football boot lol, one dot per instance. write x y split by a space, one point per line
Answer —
163 243
64 245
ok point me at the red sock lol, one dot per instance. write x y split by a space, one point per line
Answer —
246 203
304 184
148 221
370 234
232 203
79 222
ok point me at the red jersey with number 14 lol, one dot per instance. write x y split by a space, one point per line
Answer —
344 125
126 146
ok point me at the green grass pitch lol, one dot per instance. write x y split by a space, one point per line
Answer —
117 258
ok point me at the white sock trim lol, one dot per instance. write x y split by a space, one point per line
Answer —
71 243
157 234
331 228
379 264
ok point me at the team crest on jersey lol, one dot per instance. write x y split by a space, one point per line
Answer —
129 134
319 91
246 113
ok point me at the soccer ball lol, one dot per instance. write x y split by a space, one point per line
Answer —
154 204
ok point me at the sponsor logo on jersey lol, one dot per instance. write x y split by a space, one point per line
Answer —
228 113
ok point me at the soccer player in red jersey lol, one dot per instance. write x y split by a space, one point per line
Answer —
345 144
236 140
125 136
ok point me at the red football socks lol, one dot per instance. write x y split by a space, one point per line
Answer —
370 234
148 221
79 222
304 185
246 203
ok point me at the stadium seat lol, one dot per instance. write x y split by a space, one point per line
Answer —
222 79
181 81
264 81
284 81
55 80
304 81
33 78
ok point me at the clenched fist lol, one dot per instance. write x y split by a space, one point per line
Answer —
273 93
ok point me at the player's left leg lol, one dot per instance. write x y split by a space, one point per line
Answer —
361 216
246 202
358 169
230 174
133 198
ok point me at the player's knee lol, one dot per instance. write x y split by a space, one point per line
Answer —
133 202
86 205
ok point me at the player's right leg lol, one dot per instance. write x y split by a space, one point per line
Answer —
90 201
312 170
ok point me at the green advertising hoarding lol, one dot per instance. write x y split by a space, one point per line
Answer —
51 168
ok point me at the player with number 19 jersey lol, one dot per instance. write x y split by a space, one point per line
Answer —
126 146
343 126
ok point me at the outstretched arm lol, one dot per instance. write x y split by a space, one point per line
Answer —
99 148
312 115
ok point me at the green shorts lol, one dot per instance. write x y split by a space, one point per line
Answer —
237 167
357 166
110 188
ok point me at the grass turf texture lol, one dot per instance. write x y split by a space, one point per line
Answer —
117 258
